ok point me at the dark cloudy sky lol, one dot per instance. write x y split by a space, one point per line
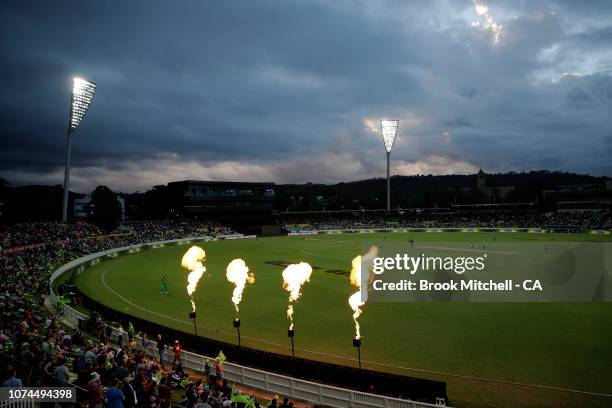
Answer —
293 91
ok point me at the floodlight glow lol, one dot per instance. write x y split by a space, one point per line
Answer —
82 94
389 131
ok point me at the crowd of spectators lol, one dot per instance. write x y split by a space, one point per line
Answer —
28 234
334 221
37 233
587 220
574 221
37 350
147 231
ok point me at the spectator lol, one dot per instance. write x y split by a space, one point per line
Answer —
145 343
226 390
61 372
130 394
94 391
207 368
114 396
165 393
219 369
177 353
285 403
13 381
121 372
161 346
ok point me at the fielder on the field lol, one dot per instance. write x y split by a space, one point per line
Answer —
164 285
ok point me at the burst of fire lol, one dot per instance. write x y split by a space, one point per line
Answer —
193 261
294 276
355 300
239 274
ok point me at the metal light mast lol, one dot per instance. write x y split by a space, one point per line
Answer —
82 94
389 132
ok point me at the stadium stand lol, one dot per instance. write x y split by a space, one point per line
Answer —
561 222
35 349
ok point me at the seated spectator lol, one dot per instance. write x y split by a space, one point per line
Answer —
94 391
114 396
13 381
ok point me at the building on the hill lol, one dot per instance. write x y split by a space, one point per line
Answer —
480 180
491 194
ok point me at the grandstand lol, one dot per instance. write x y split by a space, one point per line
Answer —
244 206
232 236
35 341
56 333
29 253
459 217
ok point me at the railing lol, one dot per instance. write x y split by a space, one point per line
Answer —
287 386
22 403
279 384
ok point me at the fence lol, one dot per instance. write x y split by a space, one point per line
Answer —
286 386
24 403
311 392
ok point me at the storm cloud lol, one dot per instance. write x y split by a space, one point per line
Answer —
293 91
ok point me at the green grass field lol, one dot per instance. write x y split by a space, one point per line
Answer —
564 345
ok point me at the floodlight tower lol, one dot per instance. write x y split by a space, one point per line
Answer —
389 131
82 94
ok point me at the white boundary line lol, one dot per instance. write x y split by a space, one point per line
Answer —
103 277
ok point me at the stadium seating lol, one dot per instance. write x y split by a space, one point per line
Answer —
33 343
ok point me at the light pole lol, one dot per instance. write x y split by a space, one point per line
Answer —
389 131
82 94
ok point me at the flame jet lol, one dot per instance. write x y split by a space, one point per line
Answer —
294 276
193 261
355 301
239 274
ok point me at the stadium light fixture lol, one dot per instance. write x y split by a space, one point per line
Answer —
82 95
389 132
